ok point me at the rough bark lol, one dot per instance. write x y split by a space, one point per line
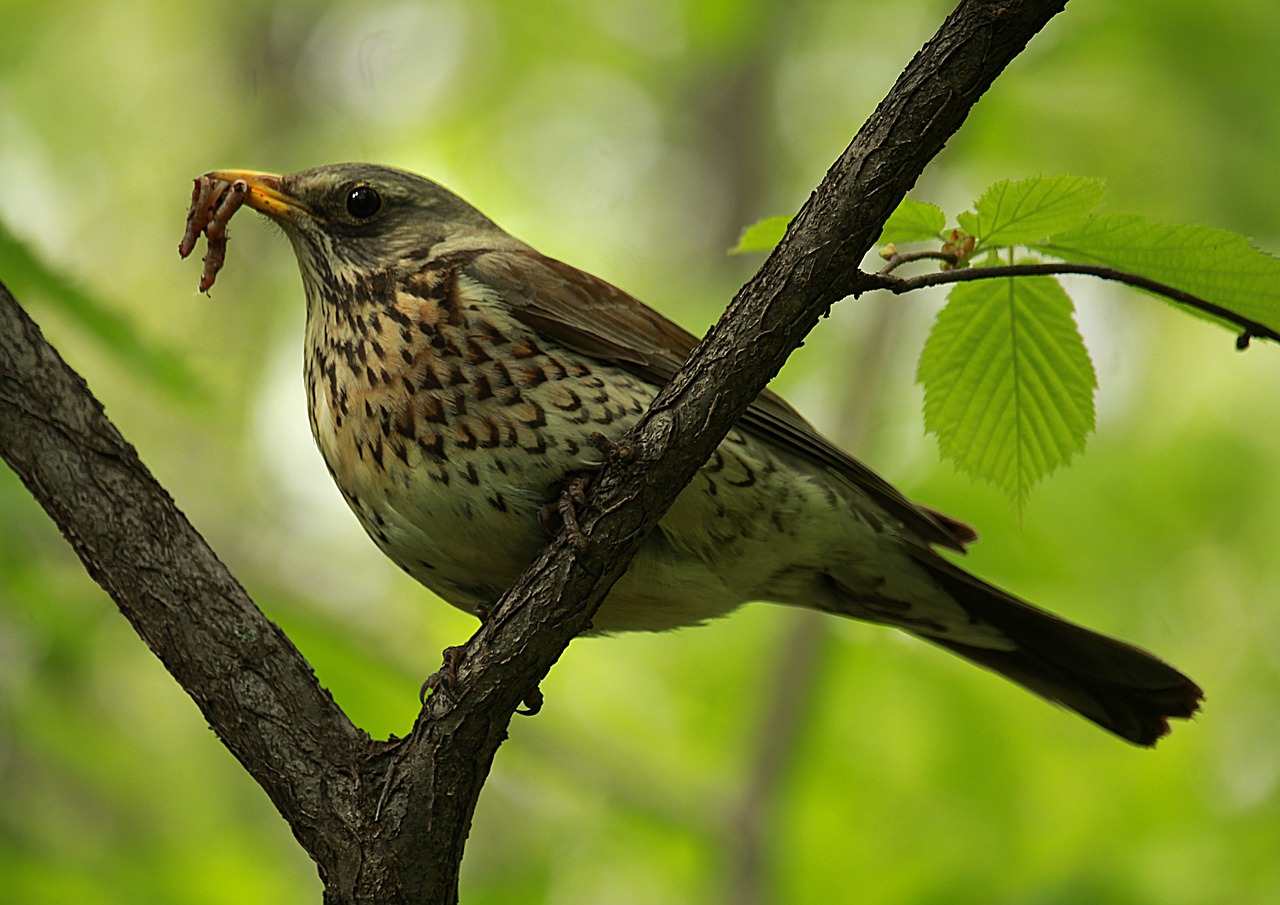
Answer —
387 821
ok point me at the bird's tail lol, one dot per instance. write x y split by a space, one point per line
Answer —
1123 689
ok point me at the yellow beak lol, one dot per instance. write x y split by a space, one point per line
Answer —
264 195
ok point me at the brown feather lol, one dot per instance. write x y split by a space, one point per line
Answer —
1120 687
596 318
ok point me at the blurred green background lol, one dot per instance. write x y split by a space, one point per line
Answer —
635 138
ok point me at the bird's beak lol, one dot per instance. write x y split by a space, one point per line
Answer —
265 194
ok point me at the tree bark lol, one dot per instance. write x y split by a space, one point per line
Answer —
387 821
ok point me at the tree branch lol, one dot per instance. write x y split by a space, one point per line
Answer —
249 681
387 822
1251 329
897 259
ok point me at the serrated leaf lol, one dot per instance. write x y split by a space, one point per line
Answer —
762 235
25 274
913 221
1217 265
1024 211
1008 382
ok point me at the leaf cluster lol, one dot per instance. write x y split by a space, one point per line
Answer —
1008 382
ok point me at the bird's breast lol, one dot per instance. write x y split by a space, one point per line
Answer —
447 428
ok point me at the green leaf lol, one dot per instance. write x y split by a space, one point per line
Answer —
762 235
26 274
1219 266
913 221
1025 211
1008 382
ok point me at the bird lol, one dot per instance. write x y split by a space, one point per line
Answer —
458 381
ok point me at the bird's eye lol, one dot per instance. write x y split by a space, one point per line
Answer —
363 202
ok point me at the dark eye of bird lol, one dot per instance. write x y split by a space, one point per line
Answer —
363 202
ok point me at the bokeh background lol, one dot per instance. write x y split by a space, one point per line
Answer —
771 757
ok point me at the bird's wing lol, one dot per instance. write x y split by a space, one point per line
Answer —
596 318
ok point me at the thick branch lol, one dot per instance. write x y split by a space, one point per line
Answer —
900 285
248 679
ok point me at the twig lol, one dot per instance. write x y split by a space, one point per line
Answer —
1251 329
897 259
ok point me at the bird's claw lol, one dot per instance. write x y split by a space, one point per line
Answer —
443 681
532 702
572 495
617 449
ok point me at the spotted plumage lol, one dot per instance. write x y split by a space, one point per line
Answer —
457 379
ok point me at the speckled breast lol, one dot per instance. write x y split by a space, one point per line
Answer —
448 426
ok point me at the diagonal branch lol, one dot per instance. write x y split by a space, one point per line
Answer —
1251 329
250 682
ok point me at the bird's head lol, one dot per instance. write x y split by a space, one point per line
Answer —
350 221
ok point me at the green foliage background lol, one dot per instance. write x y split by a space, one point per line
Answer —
636 138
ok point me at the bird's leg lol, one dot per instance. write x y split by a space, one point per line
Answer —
574 492
623 452
571 496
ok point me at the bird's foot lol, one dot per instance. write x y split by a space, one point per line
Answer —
532 702
617 449
444 680
572 495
